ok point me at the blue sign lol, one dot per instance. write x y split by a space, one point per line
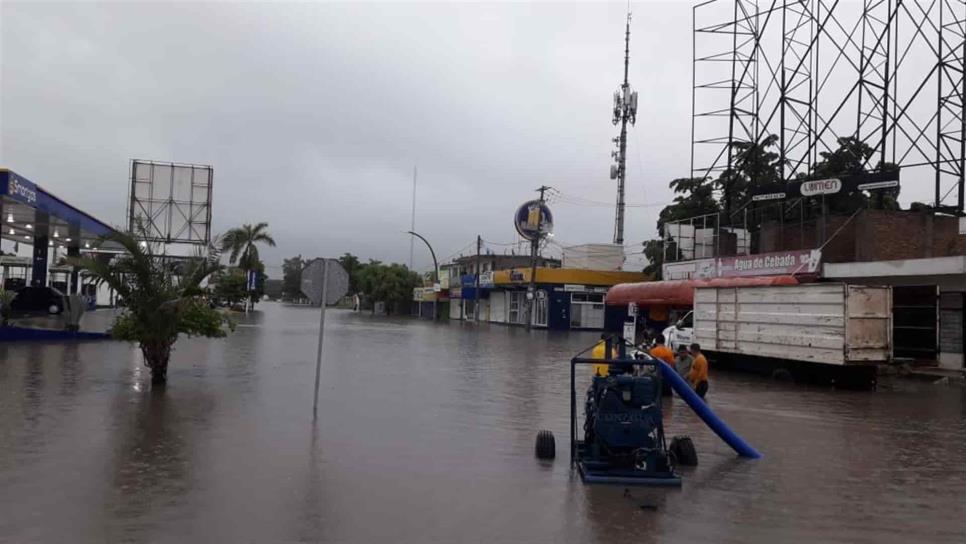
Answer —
21 189
252 280
533 220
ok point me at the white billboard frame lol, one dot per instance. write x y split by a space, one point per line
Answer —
173 200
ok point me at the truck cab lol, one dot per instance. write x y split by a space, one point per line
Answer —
681 332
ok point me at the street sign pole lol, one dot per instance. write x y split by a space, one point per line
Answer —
315 283
318 356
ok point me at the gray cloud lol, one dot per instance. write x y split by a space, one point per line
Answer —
314 114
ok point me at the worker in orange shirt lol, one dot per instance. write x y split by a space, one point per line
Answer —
662 352
698 377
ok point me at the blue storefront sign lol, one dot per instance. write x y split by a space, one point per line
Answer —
18 188
21 189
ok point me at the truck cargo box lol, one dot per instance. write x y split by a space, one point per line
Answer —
828 323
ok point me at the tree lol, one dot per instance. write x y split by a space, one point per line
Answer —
392 284
352 267
695 197
161 301
242 243
754 167
231 286
292 278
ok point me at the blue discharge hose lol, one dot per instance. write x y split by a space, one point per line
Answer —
704 412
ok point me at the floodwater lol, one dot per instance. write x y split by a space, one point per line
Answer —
425 434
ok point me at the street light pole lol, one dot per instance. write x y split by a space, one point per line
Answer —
435 267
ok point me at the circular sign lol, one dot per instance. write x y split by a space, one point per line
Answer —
533 220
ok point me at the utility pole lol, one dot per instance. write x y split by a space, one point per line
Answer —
534 246
625 110
476 292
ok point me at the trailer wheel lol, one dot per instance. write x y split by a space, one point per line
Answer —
683 452
546 447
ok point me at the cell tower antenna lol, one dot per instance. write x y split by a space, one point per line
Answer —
625 111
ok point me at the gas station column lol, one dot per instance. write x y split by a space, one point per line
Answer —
38 273
73 250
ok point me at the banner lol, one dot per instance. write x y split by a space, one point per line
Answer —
770 264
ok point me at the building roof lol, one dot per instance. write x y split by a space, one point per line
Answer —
21 199
563 276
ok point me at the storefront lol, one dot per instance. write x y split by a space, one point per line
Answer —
928 297
563 299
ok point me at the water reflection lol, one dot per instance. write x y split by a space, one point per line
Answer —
426 434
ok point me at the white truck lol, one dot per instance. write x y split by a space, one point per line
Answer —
800 330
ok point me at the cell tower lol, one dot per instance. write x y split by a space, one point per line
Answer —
625 110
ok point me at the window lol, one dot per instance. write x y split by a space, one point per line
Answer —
587 311
516 307
540 310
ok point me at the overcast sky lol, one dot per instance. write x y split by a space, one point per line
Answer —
313 116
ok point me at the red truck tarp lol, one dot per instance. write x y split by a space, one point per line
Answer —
681 292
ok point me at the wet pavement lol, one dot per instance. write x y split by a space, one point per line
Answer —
426 435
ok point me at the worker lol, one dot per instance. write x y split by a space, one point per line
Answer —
698 376
662 352
599 353
683 361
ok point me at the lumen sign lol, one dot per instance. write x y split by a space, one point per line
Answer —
821 187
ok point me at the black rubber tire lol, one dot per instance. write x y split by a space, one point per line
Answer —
546 447
683 452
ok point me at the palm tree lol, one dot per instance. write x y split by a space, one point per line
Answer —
162 299
242 244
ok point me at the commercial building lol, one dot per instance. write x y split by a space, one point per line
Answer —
38 229
920 254
458 281
565 299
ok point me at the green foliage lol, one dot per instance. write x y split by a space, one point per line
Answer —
292 277
378 282
694 197
756 166
161 300
241 243
352 266
231 286
6 297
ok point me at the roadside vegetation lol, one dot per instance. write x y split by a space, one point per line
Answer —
241 245
162 299
373 282
755 167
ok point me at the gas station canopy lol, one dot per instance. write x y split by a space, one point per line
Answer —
32 215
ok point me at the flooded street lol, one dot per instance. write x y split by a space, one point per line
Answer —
426 435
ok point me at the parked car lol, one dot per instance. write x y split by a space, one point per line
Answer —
38 300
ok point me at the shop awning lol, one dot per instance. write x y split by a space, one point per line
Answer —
680 292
